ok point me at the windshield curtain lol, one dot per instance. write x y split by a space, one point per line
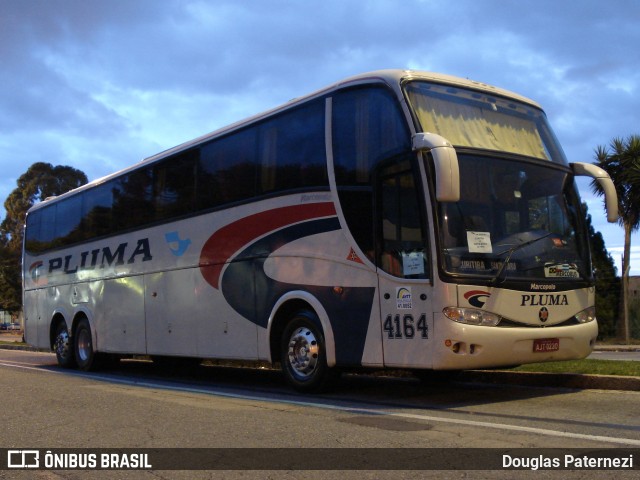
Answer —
473 119
524 213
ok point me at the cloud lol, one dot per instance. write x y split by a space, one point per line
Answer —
616 252
99 85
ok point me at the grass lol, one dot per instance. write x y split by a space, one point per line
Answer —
586 366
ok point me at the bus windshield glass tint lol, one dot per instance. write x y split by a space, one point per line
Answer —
522 213
472 119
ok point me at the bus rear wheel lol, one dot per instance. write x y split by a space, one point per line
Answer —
83 346
63 347
303 354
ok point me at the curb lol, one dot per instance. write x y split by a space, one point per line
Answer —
617 348
553 380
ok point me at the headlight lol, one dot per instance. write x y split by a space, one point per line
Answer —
586 315
472 316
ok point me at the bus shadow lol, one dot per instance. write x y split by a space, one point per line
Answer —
390 388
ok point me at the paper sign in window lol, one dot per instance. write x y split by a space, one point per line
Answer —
412 263
479 242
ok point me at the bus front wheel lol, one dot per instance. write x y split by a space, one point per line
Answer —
303 354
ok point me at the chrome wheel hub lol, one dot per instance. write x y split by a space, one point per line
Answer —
83 345
303 352
61 345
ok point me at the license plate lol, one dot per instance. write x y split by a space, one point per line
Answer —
541 345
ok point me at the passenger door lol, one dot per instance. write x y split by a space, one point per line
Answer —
403 268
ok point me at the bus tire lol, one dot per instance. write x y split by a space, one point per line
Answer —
303 354
63 347
83 347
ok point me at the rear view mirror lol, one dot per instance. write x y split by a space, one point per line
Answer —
605 182
445 161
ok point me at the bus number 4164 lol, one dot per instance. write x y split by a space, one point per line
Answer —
406 328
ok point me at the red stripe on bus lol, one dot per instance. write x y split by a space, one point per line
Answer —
221 246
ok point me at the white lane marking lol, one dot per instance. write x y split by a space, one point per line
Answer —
327 406
35 366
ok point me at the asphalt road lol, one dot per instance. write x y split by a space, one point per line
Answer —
137 406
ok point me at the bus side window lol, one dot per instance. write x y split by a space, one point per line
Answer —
403 244
132 200
292 150
34 237
175 185
227 171
68 228
97 212
367 128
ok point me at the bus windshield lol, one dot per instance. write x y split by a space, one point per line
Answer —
516 220
473 119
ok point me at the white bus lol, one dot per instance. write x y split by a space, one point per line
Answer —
395 219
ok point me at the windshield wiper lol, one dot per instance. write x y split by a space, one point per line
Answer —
509 253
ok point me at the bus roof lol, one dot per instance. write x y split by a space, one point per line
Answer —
392 77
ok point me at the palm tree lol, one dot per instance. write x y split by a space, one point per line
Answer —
622 162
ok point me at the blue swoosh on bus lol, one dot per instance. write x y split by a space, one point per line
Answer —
181 245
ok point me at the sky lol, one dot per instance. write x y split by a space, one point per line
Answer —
101 84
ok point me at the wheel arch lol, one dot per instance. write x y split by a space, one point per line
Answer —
282 312
61 316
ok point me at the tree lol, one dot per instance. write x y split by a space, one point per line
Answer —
40 181
622 162
10 280
607 282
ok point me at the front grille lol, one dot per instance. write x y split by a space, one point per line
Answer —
506 323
